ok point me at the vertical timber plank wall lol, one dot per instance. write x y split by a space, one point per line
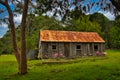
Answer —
71 50
92 48
82 49
101 48
74 49
61 48
40 49
43 48
100 45
86 48
50 49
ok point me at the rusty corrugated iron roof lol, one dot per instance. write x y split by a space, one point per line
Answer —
69 36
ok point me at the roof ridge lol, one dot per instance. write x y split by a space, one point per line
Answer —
68 31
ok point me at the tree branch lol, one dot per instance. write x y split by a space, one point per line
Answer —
116 4
34 6
18 1
2 2
6 1
21 5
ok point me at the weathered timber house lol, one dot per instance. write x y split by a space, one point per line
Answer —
70 44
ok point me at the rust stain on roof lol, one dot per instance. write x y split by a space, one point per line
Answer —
69 36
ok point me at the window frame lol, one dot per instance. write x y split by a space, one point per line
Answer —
54 46
78 45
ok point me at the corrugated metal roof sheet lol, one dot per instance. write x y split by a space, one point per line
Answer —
69 36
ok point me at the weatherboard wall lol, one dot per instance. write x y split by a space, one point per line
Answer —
68 50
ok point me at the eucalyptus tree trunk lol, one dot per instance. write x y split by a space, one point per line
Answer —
13 34
23 59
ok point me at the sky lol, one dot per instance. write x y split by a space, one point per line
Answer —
3 31
4 27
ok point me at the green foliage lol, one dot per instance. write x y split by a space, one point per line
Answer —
106 28
115 37
115 34
6 44
1 45
86 69
76 14
101 19
84 24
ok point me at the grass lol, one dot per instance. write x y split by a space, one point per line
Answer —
91 68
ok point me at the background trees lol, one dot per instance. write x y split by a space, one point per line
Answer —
115 34
95 22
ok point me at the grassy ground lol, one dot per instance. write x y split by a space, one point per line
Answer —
90 68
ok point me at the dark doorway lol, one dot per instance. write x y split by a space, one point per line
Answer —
96 47
67 49
78 50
